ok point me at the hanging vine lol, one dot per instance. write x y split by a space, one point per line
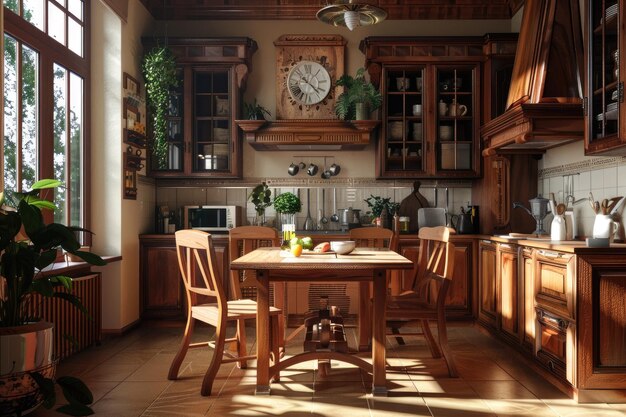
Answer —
159 72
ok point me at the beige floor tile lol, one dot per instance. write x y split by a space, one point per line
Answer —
498 390
521 408
129 399
569 408
452 387
398 406
259 405
155 369
455 407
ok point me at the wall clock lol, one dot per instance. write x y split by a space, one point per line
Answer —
308 82
307 67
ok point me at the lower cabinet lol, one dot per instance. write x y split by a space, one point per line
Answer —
487 288
507 282
162 292
527 300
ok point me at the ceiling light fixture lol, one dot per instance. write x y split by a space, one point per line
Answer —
351 13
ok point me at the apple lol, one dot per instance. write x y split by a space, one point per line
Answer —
307 243
295 241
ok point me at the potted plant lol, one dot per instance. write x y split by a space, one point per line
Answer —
159 72
288 204
27 246
255 111
382 209
261 197
358 98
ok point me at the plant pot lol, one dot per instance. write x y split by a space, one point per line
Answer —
24 349
360 111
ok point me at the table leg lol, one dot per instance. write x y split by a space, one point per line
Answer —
365 318
262 333
379 360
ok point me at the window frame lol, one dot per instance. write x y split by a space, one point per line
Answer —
52 52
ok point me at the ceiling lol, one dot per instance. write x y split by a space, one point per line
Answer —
306 9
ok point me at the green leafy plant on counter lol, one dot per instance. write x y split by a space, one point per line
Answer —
359 96
28 245
159 72
377 204
255 111
261 197
287 203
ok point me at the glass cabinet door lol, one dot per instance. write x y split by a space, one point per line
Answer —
404 115
175 133
605 89
455 125
211 120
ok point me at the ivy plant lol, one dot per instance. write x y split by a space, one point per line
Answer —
159 72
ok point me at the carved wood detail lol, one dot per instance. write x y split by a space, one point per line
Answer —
308 133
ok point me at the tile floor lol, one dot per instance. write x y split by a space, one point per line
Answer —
128 377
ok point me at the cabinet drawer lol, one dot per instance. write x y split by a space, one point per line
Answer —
554 282
551 342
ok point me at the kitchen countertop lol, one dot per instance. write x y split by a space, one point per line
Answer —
570 246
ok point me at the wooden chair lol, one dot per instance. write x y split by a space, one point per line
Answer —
426 300
207 302
242 240
370 237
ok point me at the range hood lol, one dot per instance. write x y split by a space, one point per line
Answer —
544 107
307 134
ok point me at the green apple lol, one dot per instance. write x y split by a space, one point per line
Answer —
296 241
307 243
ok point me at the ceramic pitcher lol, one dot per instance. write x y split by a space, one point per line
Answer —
604 226
457 109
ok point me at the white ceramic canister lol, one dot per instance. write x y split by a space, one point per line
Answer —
604 226
558 230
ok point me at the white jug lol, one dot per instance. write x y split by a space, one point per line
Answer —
558 229
604 226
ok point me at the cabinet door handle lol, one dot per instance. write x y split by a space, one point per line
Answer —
550 254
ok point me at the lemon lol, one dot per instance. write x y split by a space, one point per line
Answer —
296 250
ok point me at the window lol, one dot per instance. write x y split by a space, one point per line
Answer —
45 88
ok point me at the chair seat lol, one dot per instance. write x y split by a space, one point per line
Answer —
407 309
237 309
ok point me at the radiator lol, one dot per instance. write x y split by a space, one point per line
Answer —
73 330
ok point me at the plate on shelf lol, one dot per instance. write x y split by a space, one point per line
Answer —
615 95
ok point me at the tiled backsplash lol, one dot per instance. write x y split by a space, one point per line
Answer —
350 193
603 177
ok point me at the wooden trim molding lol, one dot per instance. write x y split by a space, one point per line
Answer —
307 134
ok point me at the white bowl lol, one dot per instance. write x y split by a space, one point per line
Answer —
343 247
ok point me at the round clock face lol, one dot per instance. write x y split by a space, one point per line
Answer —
308 82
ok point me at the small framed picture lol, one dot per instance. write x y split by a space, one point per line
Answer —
131 84
132 116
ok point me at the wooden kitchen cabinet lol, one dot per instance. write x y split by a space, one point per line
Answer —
431 105
527 300
605 130
487 283
508 291
162 292
203 138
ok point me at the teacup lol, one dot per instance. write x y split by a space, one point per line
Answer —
604 226
402 83
417 110
417 131
443 108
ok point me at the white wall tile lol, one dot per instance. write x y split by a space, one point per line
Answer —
610 177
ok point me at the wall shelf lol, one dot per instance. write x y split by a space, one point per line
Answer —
307 134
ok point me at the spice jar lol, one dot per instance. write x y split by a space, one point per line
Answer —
404 223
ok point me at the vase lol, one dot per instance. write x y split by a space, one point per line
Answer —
288 221
259 219
360 111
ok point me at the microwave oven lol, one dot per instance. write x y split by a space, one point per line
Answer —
212 218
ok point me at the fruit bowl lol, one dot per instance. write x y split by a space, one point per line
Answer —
343 247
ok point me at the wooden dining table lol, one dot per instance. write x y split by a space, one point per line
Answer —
364 265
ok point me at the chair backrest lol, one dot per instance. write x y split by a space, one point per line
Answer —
242 240
374 237
435 262
198 267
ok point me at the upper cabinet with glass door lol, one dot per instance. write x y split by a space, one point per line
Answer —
605 131
203 140
431 105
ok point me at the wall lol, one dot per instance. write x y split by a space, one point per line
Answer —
604 177
116 222
261 83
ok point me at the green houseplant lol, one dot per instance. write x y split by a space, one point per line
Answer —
380 206
358 98
159 72
27 246
255 111
261 197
